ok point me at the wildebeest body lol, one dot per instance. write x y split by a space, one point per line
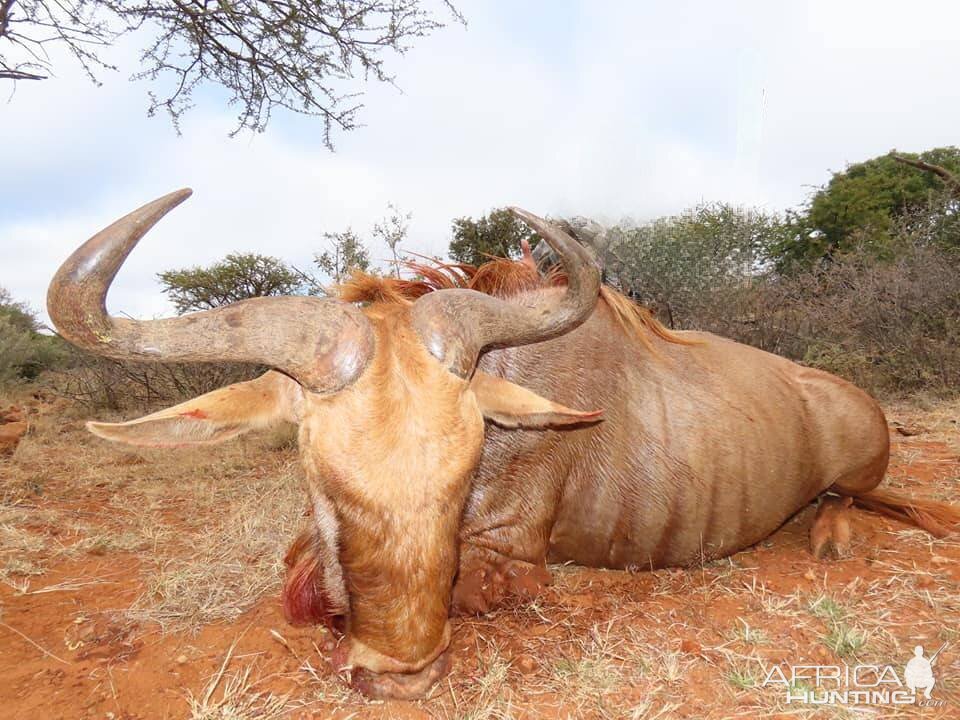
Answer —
706 448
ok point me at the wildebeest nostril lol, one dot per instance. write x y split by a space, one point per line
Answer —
400 686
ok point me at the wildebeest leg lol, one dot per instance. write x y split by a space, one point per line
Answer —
504 539
849 435
830 531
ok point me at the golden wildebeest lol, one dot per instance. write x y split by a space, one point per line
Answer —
704 446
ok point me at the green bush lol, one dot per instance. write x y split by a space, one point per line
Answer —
16 351
865 206
24 352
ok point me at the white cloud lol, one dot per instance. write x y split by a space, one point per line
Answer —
596 109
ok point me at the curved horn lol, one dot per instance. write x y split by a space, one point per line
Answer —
457 325
324 344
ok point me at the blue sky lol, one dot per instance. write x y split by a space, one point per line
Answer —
595 108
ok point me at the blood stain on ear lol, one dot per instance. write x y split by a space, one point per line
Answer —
196 414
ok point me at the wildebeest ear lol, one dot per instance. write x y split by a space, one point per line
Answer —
214 417
513 406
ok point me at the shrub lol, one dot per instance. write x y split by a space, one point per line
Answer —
891 323
24 352
889 326
103 383
16 351
677 264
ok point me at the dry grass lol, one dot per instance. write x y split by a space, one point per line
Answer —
20 547
598 668
232 563
490 698
235 697
209 528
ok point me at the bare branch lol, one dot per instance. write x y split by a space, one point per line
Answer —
300 55
951 180
20 75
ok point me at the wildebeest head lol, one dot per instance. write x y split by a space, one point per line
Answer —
391 414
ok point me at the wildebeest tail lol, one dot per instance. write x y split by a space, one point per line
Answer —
937 518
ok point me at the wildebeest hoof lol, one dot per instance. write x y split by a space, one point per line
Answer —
476 591
525 579
830 532
479 590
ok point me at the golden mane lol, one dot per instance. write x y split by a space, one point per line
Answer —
499 277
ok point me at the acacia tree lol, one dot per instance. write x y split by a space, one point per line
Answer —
347 253
238 276
393 231
495 235
268 54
